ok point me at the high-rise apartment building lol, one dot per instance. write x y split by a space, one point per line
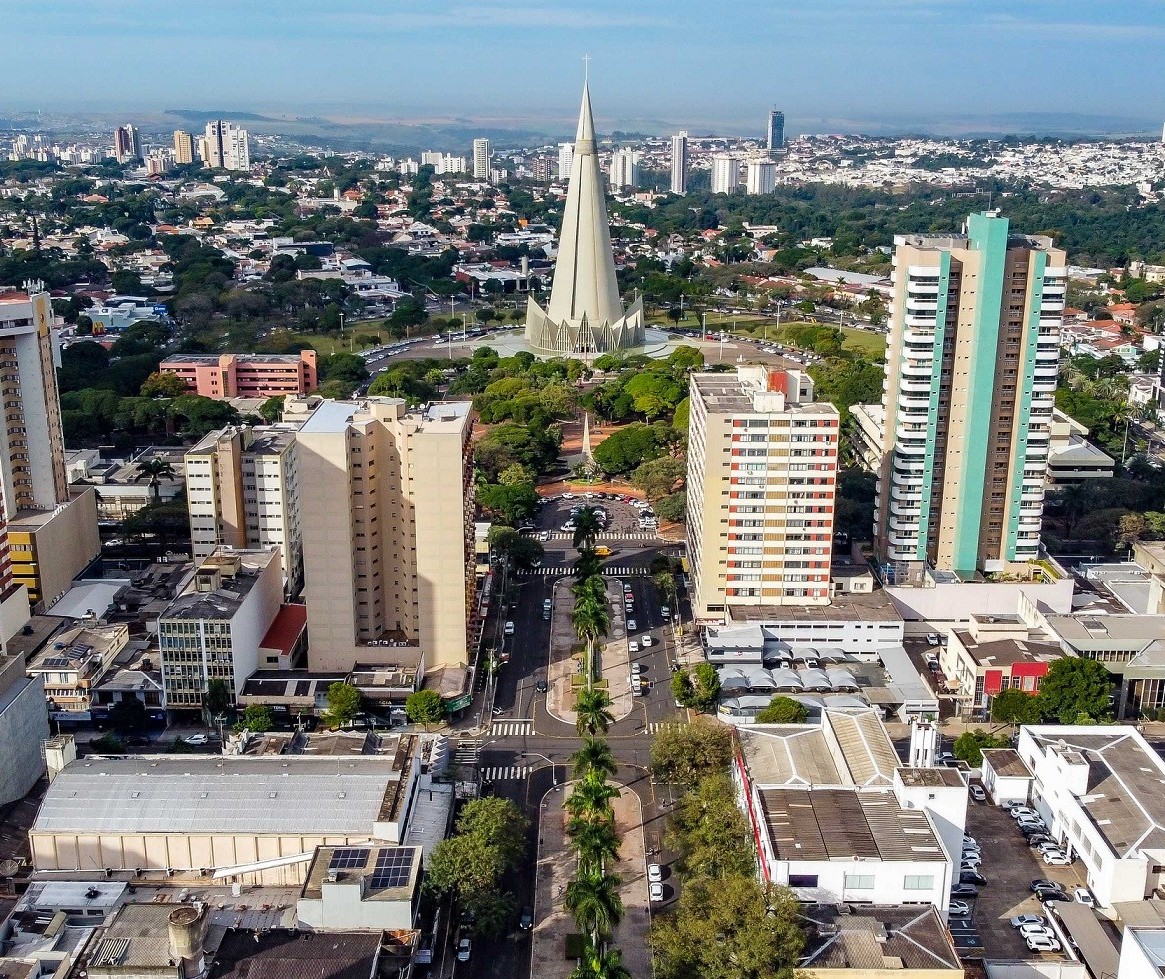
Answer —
775 131
183 147
242 491
972 361
760 177
386 510
624 169
482 157
225 146
679 163
565 160
127 144
431 158
725 174
762 474
542 169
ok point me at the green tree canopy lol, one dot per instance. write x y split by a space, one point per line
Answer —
659 477
1073 687
424 707
257 718
500 822
627 449
783 710
1015 706
970 744
343 703
682 754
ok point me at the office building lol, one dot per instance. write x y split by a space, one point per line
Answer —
481 159
760 177
725 174
24 725
214 629
679 163
585 316
242 490
624 171
565 160
127 144
972 362
222 376
225 146
775 131
183 147
386 511
73 663
762 473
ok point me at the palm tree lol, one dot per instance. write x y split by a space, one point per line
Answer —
595 842
155 470
592 713
591 620
594 756
592 586
597 964
591 798
593 898
586 529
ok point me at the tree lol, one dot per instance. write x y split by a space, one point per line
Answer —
595 755
349 368
593 899
783 710
970 744
673 508
463 865
155 470
659 477
1131 530
424 707
128 715
499 822
343 704
597 963
627 449
592 712
218 697
733 928
591 798
681 688
675 314
682 754
510 503
710 832
595 840
257 718
586 528
1015 706
705 687
1075 686
272 409
162 384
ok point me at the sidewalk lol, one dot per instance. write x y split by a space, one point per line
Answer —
556 867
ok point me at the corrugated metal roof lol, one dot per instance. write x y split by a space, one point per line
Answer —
302 796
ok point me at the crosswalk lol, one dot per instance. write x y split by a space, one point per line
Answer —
656 726
511 729
466 753
504 772
603 538
623 571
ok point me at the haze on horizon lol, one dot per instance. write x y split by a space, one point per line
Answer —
656 64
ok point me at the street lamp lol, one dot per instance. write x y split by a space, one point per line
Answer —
553 765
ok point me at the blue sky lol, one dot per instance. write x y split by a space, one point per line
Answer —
831 64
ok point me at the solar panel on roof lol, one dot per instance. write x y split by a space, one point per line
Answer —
393 867
348 858
56 662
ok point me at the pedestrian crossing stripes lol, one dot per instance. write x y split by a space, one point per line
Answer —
560 572
656 726
601 538
511 729
504 772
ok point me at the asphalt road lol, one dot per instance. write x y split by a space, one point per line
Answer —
524 740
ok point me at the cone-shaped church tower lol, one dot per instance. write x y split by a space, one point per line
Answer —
585 317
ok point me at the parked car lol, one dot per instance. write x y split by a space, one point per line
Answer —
655 892
1019 812
633 646
1084 896
972 877
958 909
509 629
1049 847
1028 919
946 758
197 739
1042 943
1035 839
664 612
977 792
932 639
1045 896
964 890
464 950
655 873
1054 858
632 625
647 641
636 668
1033 929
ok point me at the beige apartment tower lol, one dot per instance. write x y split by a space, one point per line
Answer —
972 362
762 476
183 147
386 509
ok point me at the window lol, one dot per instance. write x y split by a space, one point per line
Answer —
802 880
917 882
859 882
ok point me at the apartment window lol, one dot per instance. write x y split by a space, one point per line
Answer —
859 882
803 880
918 882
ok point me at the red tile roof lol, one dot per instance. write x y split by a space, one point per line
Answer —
286 629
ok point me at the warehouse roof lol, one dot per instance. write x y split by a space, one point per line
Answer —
303 796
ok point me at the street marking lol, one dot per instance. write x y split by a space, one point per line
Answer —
645 535
505 772
511 729
656 726
567 570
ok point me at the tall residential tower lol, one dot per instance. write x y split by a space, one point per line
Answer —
972 361
679 163
775 132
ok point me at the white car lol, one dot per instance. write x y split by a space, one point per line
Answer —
932 639
568 496
464 950
197 739
1042 943
1027 919
665 612
647 641
1036 931
1049 848
636 668
632 625
509 628
958 909
1056 859
655 892
1084 896
655 873
971 861
977 792
1021 812
544 536
632 646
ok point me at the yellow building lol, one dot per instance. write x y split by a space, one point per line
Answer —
51 547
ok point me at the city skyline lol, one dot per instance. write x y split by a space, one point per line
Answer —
874 72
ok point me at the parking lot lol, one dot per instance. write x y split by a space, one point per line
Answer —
1010 866
623 518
